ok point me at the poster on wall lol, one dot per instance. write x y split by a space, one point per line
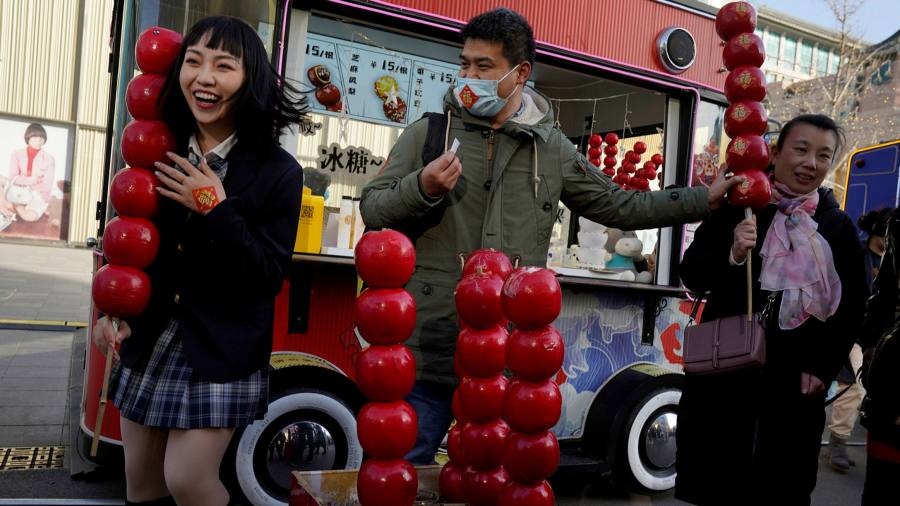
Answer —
374 84
35 178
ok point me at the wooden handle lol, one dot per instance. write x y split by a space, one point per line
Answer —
748 214
104 391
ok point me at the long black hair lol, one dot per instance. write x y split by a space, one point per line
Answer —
264 106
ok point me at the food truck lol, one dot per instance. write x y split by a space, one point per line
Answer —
646 70
873 179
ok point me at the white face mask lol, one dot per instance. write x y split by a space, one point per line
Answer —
480 96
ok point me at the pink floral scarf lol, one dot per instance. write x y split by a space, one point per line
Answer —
798 261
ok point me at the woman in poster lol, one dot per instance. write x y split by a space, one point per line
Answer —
31 177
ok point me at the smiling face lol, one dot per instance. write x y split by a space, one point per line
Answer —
805 157
210 80
36 142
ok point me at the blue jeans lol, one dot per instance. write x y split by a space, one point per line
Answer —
432 402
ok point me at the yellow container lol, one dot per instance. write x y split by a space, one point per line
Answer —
309 231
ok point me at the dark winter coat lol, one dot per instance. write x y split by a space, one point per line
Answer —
748 436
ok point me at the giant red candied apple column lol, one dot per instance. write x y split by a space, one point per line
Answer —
386 370
532 300
130 240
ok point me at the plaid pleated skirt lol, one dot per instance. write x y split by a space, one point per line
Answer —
167 393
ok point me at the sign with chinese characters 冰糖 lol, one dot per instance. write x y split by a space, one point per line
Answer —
350 160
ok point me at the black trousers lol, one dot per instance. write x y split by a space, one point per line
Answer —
882 478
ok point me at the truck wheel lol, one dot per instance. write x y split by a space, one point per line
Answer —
646 453
304 430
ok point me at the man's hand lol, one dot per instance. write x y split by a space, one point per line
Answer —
810 384
720 187
440 176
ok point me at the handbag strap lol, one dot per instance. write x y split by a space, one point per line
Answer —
696 308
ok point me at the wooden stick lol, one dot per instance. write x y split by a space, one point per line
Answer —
748 214
101 409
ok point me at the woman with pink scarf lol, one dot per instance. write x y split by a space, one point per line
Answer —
754 435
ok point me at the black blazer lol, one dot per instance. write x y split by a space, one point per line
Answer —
219 274
816 347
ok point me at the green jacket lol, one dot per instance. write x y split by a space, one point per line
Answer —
496 204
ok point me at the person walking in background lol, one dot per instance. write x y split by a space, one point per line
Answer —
880 410
846 407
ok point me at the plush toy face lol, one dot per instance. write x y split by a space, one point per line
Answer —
629 246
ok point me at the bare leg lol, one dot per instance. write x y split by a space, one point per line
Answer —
192 466
145 452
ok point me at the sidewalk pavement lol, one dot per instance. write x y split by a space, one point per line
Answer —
44 283
39 283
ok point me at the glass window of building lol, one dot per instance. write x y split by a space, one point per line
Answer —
821 61
789 56
805 58
834 64
772 40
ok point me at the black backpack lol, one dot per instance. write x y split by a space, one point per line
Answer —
880 408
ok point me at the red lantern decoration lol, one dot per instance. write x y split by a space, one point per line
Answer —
483 488
629 167
385 259
744 49
133 193
595 141
120 291
387 430
609 161
535 355
611 150
131 242
488 261
531 297
657 159
157 49
385 315
145 142
747 152
482 398
754 192
483 443
746 117
745 83
634 158
609 171
478 300
482 352
382 482
142 96
530 407
386 373
640 147
595 153
594 161
451 483
612 139
519 494
734 18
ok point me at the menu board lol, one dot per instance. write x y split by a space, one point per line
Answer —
374 84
